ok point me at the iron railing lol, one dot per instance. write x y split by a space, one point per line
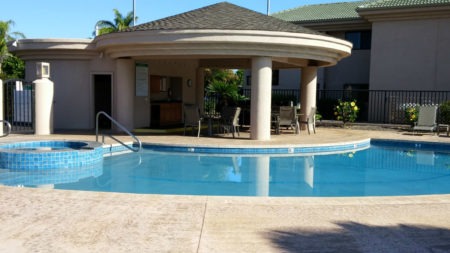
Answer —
18 105
376 106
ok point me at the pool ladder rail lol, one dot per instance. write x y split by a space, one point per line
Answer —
132 148
8 126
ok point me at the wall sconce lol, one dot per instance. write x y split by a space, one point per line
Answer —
189 83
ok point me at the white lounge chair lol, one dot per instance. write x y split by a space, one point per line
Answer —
287 117
426 120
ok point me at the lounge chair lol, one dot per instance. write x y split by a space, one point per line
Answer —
288 118
192 118
230 120
310 120
426 120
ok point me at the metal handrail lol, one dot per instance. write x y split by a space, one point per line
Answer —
8 125
121 127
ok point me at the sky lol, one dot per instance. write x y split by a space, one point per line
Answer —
77 18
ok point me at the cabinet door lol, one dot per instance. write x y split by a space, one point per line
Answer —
155 83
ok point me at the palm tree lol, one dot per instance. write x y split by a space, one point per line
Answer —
5 37
120 23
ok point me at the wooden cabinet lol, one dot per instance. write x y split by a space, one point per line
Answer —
170 114
166 114
155 84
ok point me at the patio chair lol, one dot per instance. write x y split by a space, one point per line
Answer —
310 120
230 120
192 118
426 120
288 118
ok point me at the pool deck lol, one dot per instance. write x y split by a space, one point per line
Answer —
47 220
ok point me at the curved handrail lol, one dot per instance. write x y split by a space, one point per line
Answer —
8 126
121 127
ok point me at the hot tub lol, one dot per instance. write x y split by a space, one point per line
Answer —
42 155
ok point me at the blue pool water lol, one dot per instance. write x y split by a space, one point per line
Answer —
384 169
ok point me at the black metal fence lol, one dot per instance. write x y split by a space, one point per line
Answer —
18 102
379 106
376 106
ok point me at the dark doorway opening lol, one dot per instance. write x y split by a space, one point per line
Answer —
102 98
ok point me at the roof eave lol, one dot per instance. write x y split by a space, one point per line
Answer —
338 25
404 13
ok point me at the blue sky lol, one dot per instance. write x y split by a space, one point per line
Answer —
77 18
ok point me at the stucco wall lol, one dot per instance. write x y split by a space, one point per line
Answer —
71 92
351 70
411 55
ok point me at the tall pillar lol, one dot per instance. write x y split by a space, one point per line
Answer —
261 97
124 93
44 95
308 90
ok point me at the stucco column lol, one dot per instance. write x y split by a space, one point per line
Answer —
43 109
124 93
308 90
261 97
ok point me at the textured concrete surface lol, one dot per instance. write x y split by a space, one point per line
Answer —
46 220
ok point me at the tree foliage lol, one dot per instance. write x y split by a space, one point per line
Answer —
5 57
120 23
12 68
225 85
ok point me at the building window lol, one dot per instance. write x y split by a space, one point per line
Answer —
360 40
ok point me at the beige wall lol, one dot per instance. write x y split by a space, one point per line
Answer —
411 55
72 87
351 70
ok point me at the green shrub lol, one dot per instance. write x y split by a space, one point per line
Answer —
444 112
346 111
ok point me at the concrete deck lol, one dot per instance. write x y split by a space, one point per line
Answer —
46 220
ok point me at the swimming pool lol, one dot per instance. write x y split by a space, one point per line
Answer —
385 169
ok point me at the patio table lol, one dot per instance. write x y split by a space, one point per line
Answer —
212 118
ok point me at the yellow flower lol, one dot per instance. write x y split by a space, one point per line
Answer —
355 108
352 104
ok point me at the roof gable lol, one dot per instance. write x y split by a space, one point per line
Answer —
221 16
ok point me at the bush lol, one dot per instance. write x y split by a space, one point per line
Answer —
444 113
346 111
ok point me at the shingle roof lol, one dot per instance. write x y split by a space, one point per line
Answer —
395 4
349 10
321 12
222 16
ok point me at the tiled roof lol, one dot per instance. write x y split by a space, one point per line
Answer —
394 4
222 16
321 12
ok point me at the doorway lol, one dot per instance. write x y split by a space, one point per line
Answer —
102 98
